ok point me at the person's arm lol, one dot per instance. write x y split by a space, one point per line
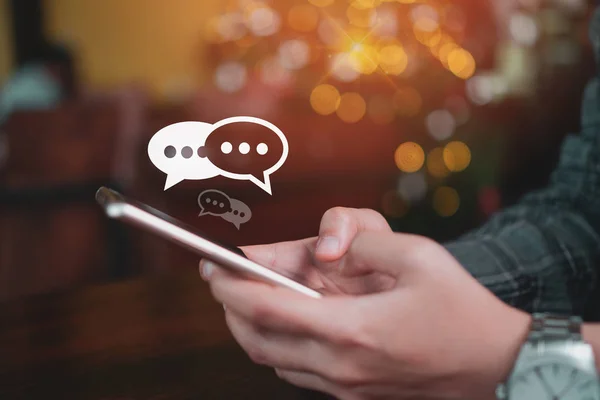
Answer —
543 254
591 334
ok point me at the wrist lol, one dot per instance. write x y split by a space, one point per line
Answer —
591 334
510 330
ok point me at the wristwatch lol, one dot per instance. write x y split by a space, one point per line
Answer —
553 364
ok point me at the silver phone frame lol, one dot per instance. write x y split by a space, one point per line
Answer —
116 206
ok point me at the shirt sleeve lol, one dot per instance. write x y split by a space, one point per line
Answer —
543 254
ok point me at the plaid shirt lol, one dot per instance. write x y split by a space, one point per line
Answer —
543 254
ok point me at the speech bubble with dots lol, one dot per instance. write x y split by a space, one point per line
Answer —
216 203
240 148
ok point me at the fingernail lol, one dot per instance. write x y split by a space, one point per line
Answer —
207 269
328 245
224 307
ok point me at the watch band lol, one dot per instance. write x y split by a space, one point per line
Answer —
548 327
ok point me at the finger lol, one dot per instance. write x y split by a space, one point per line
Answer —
393 254
338 227
292 259
313 382
281 309
272 348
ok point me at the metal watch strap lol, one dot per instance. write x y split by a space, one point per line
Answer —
548 327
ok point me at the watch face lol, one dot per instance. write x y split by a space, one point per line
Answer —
554 381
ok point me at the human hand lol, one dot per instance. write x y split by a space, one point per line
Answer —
316 261
436 333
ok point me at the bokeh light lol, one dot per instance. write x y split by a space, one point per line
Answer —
523 29
294 54
393 205
489 200
381 110
274 74
408 101
435 163
325 99
457 156
303 17
352 107
409 157
330 33
361 17
363 58
393 59
446 201
412 187
342 69
461 63
264 21
231 26
440 124
230 77
321 3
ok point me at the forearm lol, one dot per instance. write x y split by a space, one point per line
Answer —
538 256
591 334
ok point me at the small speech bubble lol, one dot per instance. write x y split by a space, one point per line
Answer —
217 203
247 148
213 202
174 151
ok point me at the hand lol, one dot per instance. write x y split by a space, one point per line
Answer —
316 261
436 333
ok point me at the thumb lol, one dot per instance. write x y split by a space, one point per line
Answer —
340 225
393 254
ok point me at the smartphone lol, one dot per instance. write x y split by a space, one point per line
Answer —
233 258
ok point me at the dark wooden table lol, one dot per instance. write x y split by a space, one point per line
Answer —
160 337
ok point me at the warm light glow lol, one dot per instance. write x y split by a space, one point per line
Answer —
321 3
409 157
325 99
342 68
457 156
444 52
461 63
361 17
363 58
294 54
381 110
303 17
393 205
408 101
330 33
352 107
424 34
435 163
364 4
446 201
264 21
230 77
393 60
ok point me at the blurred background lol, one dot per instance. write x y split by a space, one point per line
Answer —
434 113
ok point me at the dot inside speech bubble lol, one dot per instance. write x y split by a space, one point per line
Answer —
247 148
217 203
175 151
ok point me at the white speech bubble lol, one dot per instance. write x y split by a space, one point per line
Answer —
234 216
266 183
189 134
193 135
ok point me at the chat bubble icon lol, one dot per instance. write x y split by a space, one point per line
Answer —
240 213
247 148
177 150
214 202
